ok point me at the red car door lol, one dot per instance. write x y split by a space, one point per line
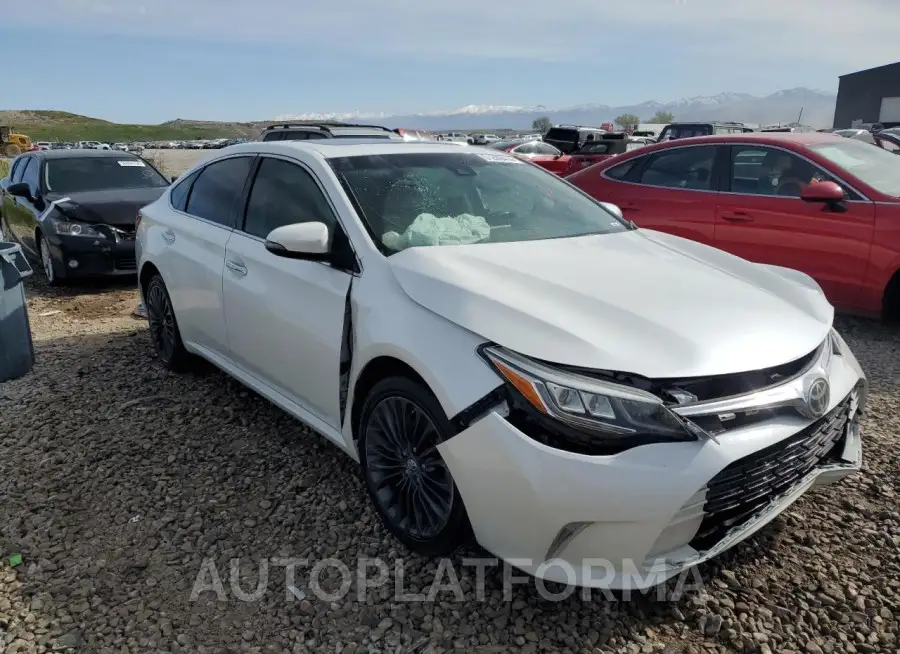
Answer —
761 217
672 189
555 164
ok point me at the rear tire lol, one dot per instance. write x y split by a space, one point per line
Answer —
891 301
164 332
400 426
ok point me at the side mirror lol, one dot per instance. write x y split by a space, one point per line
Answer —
20 190
299 241
829 192
614 209
174 178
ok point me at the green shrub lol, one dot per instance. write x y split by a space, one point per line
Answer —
4 167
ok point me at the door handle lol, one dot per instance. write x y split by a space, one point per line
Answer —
234 266
737 217
169 236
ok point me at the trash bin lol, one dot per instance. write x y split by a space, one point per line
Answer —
16 346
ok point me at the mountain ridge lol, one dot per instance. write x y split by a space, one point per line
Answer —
781 106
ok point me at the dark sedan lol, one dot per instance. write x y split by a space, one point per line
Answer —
75 210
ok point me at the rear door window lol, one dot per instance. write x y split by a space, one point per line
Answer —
526 148
545 148
217 190
621 171
178 196
687 168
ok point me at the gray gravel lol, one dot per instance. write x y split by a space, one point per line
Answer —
117 481
175 162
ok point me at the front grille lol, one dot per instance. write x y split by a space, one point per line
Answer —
709 388
126 263
747 485
123 233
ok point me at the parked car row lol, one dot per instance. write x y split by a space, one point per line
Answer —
197 144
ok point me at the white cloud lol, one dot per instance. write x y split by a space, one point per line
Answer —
835 34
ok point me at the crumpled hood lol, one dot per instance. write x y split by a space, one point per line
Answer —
643 302
117 207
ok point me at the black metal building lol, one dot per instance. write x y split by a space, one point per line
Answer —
869 96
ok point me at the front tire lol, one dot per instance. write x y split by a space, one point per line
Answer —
164 332
400 427
51 270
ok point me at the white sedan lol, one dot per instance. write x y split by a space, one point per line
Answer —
599 404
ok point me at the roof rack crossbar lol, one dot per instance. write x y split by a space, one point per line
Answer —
325 126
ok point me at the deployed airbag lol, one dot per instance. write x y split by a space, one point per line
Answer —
428 229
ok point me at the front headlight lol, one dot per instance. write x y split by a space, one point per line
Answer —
609 411
76 229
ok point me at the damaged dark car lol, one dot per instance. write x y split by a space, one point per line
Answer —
75 210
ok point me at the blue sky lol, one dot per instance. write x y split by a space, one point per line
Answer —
153 60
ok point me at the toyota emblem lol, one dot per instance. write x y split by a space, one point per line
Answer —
817 397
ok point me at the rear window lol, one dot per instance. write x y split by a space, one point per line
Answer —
621 171
672 132
595 147
562 134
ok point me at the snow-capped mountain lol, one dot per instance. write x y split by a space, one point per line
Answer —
782 106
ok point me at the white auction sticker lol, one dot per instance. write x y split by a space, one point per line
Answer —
500 158
133 163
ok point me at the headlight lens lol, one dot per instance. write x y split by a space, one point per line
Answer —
610 410
77 229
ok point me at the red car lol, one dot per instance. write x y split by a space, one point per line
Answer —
537 152
825 205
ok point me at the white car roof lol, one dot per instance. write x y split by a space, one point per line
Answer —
344 147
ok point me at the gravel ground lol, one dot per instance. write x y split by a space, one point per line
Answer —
175 162
118 480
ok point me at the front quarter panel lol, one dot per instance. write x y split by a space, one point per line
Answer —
386 323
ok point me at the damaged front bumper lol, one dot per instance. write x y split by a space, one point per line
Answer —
637 518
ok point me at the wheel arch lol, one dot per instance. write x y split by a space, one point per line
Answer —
890 300
148 270
374 370
468 386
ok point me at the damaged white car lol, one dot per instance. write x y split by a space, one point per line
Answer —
505 357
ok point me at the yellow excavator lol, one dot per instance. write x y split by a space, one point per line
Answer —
12 144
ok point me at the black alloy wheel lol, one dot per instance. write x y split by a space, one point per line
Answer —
410 483
164 331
